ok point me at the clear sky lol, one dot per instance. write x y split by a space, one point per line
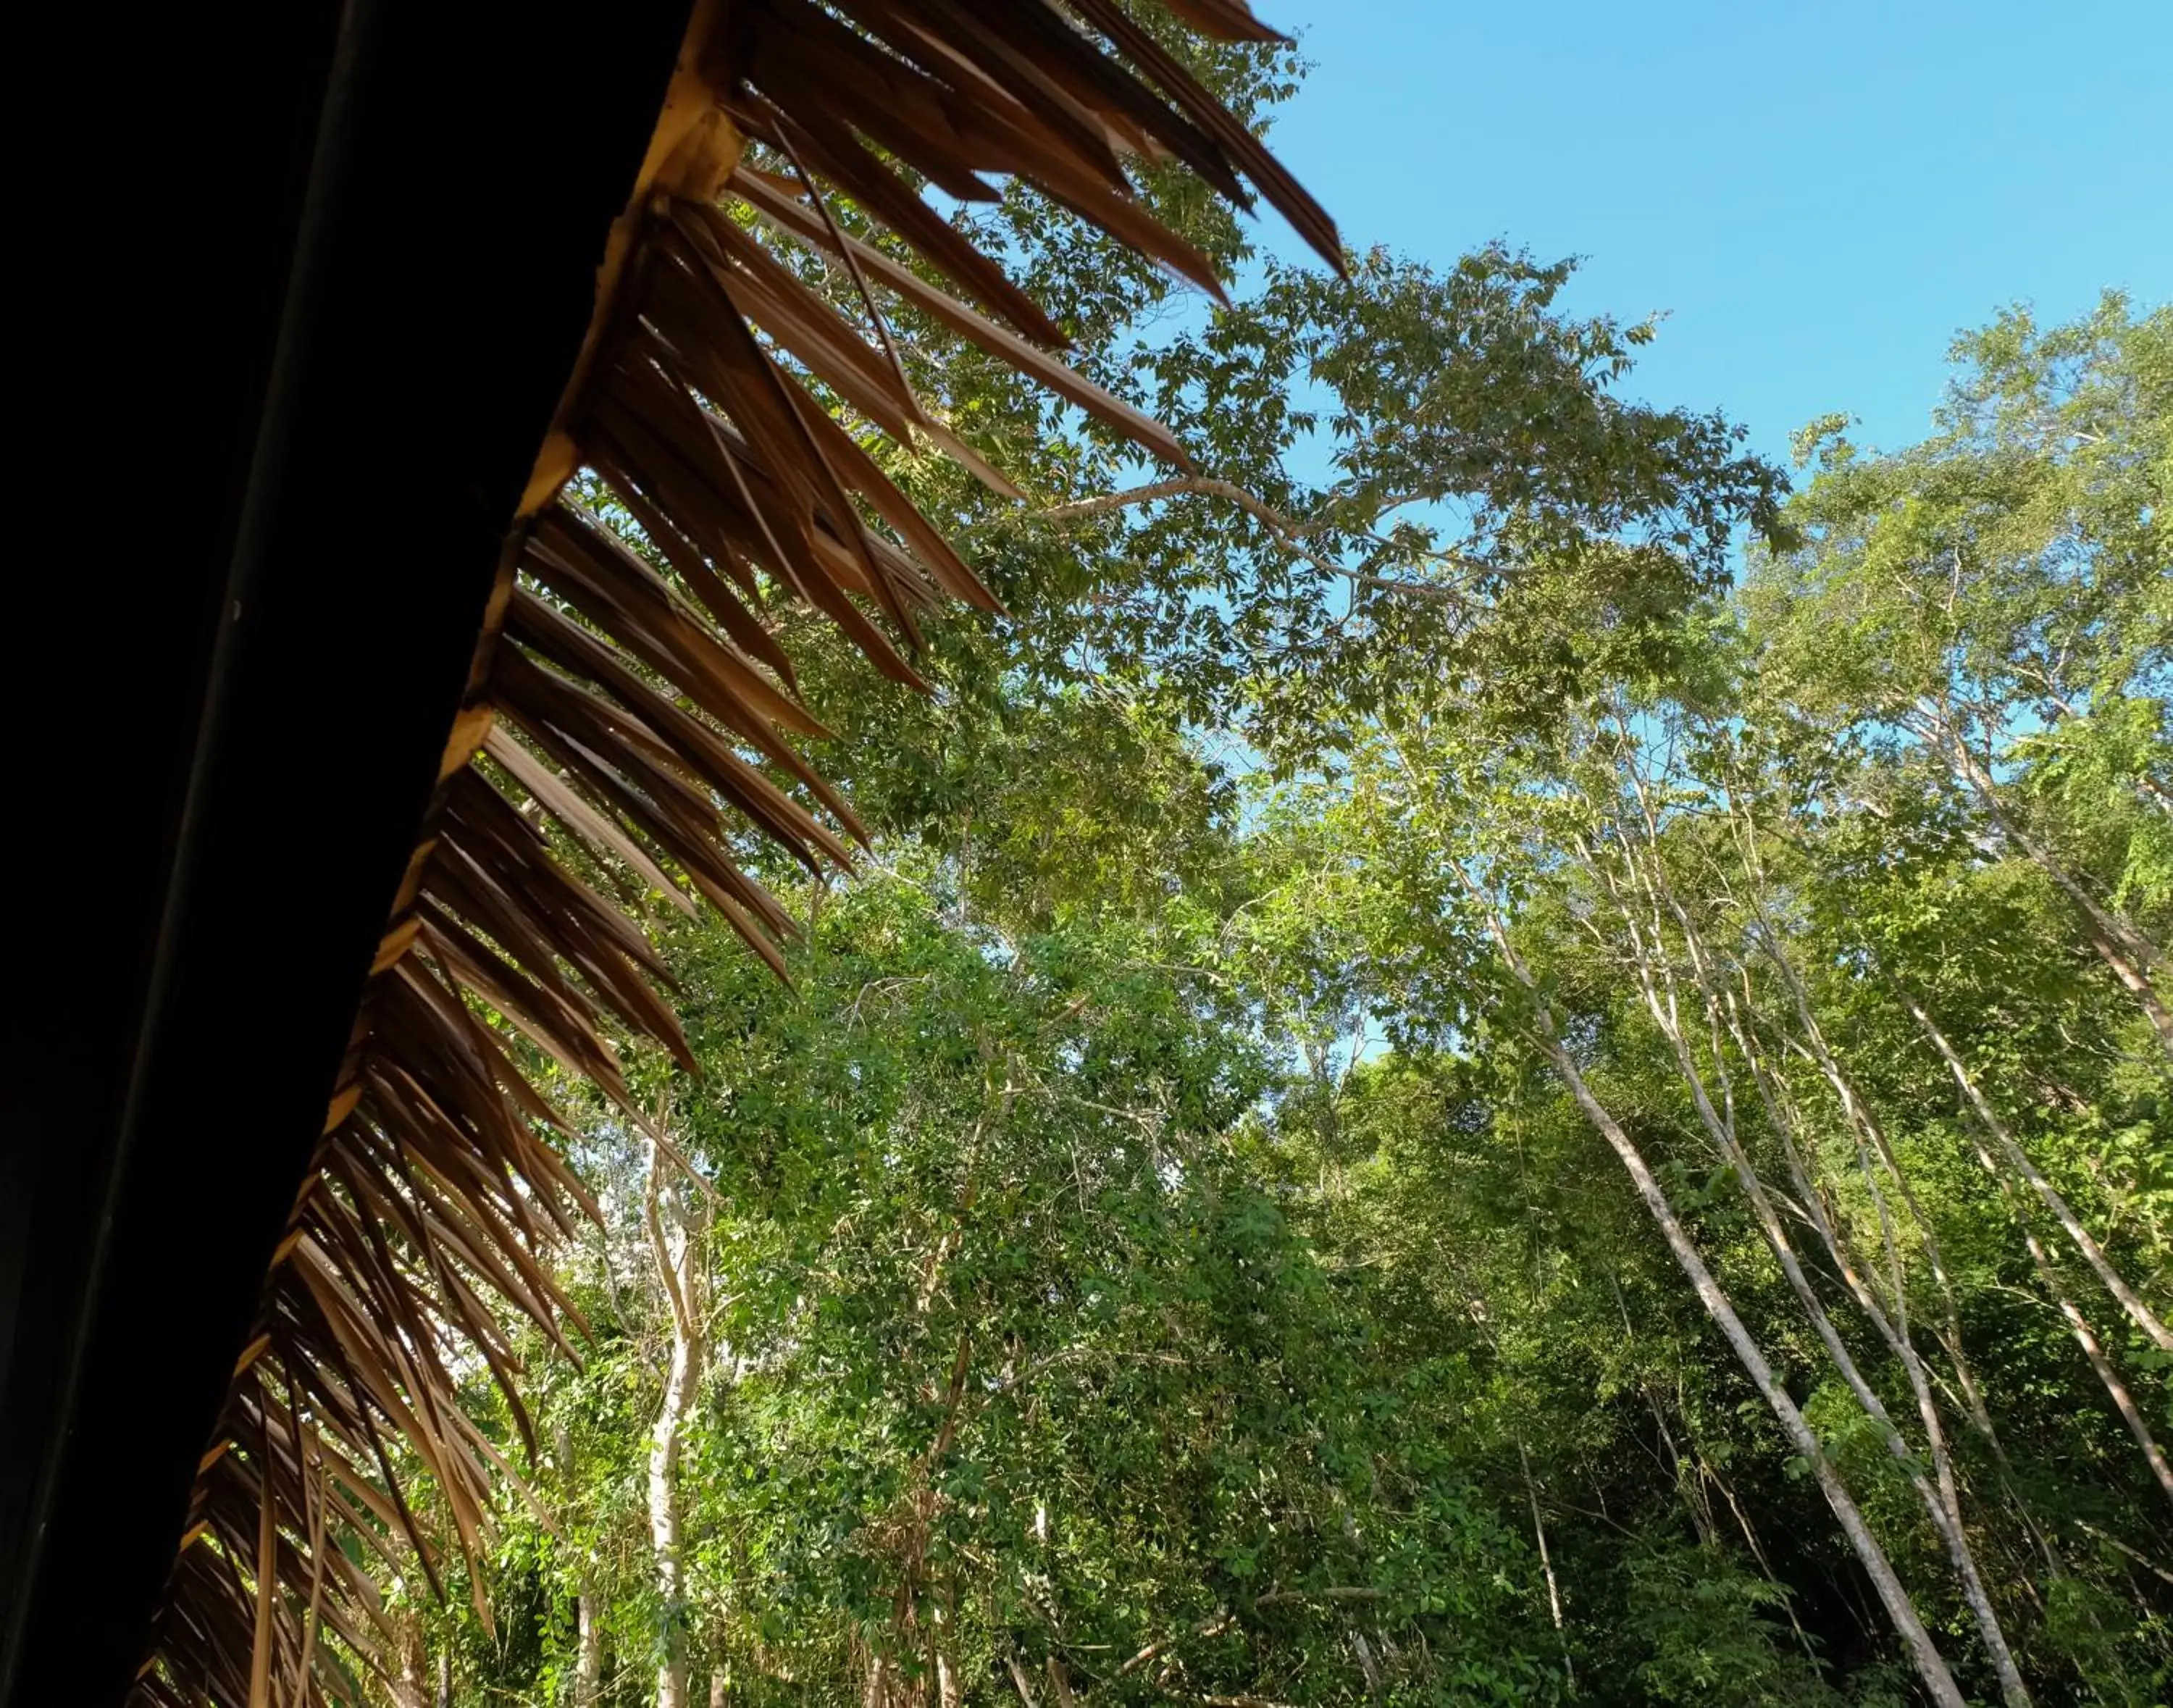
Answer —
1819 195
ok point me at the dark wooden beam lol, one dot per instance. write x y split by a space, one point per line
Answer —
362 244
125 587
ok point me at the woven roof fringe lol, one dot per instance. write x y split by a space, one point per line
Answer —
649 715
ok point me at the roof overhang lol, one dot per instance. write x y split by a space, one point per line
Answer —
338 635
357 247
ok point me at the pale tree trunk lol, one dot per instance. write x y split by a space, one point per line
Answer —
1758 1552
1893 1329
1781 1112
1931 1665
2119 944
1868 1132
1657 984
1861 1123
674 1235
1481 1316
1691 1488
2079 1326
411 1683
2019 1159
2145 994
720 1687
589 1655
921 1503
588 1606
1689 1483
1546 1565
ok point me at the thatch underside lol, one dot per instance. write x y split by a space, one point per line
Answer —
648 717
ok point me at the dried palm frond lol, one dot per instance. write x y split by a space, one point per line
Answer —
644 713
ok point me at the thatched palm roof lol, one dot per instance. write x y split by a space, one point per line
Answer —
650 717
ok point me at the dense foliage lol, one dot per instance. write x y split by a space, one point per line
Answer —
1428 1095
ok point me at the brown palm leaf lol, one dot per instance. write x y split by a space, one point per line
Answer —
642 713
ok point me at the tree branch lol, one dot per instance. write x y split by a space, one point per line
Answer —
1289 531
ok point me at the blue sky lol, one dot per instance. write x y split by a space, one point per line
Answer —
1820 196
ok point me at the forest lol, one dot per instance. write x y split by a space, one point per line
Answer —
1485 1050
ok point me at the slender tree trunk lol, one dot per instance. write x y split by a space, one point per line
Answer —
1893 1330
2123 1402
1546 1565
2119 944
674 1229
2086 1337
2145 994
588 1607
1866 1126
1860 1120
1941 1505
1691 1488
720 1687
589 1654
1688 1484
1783 1112
1786 1118
2077 1323
411 1684
2018 1159
1869 1132
1758 1552
2126 1553
1931 1665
